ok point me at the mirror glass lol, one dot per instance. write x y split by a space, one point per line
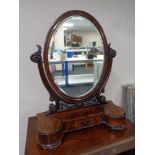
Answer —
76 56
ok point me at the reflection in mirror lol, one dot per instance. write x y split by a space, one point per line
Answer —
76 56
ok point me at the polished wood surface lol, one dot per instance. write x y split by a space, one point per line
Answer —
91 141
50 128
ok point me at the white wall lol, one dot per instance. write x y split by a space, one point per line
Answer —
59 38
89 37
36 16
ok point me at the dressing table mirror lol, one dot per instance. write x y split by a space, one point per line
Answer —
74 68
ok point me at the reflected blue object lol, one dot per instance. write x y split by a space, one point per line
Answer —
69 54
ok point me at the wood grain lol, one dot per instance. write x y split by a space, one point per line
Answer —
93 141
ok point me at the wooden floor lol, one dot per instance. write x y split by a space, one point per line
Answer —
97 140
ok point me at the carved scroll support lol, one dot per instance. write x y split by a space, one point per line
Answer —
36 57
111 52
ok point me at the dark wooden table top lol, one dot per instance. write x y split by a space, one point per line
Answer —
92 141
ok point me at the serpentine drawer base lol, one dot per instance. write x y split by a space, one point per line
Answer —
52 128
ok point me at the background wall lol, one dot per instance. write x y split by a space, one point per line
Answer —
88 37
59 38
36 17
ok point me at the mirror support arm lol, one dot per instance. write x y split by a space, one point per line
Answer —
37 58
111 53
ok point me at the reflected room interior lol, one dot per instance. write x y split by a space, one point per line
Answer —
76 56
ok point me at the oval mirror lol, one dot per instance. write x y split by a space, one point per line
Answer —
75 60
75 56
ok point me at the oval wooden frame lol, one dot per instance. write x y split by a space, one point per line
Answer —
57 94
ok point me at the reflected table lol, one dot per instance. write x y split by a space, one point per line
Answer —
91 141
79 59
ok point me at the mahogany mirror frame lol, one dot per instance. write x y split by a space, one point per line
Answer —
54 91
